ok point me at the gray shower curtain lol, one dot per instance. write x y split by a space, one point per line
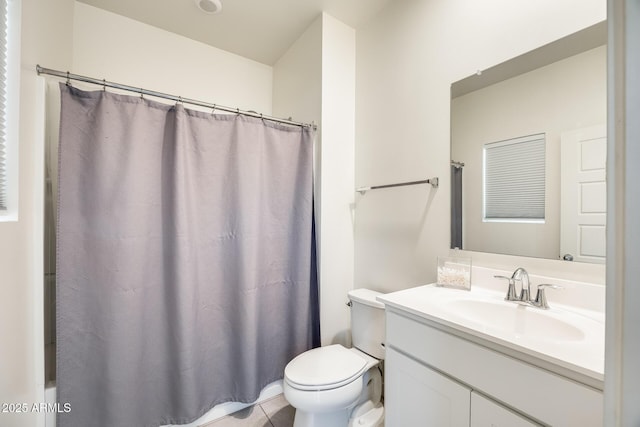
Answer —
185 258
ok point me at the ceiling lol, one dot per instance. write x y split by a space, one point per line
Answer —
261 30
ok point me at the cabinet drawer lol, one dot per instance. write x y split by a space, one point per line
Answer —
545 396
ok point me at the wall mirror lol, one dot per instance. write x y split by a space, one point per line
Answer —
555 95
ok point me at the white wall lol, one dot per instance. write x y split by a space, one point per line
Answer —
297 78
407 58
109 46
46 39
563 96
337 184
315 81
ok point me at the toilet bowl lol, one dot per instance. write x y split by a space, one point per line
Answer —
335 386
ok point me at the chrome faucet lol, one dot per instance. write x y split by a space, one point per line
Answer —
521 275
525 286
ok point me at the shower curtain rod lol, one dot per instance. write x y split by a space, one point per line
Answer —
104 83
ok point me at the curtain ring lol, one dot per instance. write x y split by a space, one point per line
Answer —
68 79
141 93
104 85
213 109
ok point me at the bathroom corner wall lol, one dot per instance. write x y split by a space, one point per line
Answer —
46 32
337 183
407 58
297 79
315 81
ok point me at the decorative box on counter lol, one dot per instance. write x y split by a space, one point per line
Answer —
454 272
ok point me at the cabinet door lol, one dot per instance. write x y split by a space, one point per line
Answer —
416 395
487 413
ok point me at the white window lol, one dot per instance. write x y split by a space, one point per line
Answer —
514 180
9 106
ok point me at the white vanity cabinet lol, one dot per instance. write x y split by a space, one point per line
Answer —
436 376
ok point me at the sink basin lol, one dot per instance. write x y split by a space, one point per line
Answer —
520 320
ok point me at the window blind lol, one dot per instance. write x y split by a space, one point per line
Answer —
514 179
3 103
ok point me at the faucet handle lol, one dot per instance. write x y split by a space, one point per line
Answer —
511 292
541 297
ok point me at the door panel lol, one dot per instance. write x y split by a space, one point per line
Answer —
583 194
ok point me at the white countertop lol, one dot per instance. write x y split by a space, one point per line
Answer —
569 339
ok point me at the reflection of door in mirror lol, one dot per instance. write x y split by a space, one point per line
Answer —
583 194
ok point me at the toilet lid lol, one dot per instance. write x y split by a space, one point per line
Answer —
324 367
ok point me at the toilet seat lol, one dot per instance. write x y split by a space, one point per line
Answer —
324 368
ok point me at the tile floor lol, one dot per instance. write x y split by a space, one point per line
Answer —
275 412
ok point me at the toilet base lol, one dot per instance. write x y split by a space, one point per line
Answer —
367 415
328 419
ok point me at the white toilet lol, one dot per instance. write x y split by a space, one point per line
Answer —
335 386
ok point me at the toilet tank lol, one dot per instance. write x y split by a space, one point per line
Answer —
367 322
